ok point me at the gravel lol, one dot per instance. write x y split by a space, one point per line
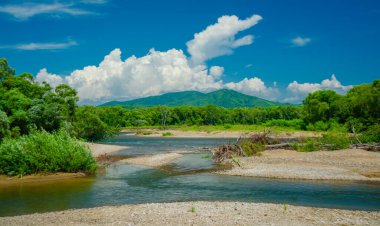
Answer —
349 164
199 213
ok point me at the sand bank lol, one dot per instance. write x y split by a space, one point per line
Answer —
101 149
349 164
153 160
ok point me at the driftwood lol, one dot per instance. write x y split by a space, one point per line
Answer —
368 147
278 146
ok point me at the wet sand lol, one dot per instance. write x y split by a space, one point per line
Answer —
199 213
152 160
101 149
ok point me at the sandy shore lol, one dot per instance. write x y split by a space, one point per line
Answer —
199 213
219 134
349 164
153 160
101 149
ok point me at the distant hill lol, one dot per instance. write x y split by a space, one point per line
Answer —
222 98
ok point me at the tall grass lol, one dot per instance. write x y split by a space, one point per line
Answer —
41 151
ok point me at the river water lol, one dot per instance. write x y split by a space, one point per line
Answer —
186 179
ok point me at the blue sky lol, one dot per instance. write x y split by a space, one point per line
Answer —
296 40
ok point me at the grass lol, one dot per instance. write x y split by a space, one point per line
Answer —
41 152
166 134
329 141
192 209
206 156
145 133
251 148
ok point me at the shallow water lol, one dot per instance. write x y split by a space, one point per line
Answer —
179 181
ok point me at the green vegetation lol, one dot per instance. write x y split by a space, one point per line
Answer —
144 133
166 134
206 156
37 123
41 151
252 148
222 98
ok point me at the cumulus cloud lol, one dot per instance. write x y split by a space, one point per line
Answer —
219 39
255 87
153 74
24 11
298 91
300 41
41 46
216 71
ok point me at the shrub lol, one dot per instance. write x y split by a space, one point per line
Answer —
227 126
335 140
251 148
309 145
145 133
41 151
294 123
165 134
372 135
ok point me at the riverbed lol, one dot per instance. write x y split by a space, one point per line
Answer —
187 178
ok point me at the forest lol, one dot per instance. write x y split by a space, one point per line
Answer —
46 122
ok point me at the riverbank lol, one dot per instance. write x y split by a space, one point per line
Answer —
102 149
152 132
199 213
348 164
97 150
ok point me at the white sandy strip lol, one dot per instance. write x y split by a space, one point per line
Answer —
199 213
300 171
153 160
101 149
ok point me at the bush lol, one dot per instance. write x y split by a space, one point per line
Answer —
144 133
372 135
227 126
335 140
251 148
309 145
294 123
165 134
41 151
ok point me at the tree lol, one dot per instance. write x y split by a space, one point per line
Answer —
4 125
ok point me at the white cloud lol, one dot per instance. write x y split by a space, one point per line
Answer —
216 71
300 41
41 46
153 74
53 79
255 87
298 91
25 11
219 39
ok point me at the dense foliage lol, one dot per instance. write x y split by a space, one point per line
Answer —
358 110
41 151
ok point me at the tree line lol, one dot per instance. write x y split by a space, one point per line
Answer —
26 105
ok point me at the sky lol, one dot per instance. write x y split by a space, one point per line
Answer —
279 50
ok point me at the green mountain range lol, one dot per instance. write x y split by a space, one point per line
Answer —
223 98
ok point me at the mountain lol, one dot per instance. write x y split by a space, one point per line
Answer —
222 98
